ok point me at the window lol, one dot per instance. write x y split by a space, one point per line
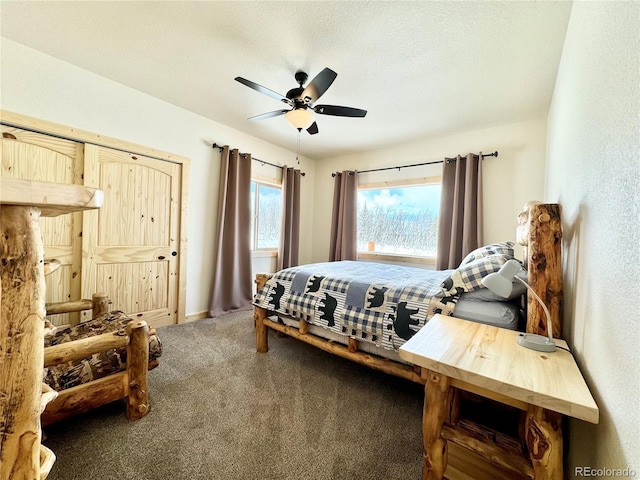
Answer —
400 219
266 204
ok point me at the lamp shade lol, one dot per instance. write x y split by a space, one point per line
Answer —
299 118
501 282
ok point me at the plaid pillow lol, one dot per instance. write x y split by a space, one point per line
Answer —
468 277
502 248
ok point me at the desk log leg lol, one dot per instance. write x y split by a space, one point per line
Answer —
543 434
21 342
436 399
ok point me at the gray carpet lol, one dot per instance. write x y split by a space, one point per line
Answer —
219 410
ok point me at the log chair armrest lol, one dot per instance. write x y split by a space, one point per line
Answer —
84 347
99 304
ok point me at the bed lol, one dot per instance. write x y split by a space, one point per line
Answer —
381 305
366 321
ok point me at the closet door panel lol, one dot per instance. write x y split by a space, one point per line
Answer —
132 252
34 156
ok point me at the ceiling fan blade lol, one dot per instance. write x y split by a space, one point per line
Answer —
339 111
318 85
262 116
313 129
264 90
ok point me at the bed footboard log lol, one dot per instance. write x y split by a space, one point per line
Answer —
21 342
137 365
544 265
262 331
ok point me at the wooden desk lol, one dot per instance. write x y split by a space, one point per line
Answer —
487 361
23 396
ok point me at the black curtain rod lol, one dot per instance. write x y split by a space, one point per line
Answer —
215 145
494 154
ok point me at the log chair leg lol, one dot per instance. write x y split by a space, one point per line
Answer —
544 440
137 367
100 302
436 399
262 331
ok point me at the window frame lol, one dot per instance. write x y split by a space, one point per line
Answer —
397 257
269 182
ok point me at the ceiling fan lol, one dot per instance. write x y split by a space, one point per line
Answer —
301 100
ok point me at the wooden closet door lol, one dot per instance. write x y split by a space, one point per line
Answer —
34 156
131 245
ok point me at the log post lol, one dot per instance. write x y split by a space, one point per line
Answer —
261 279
137 365
303 327
21 341
436 398
544 441
262 331
100 302
544 265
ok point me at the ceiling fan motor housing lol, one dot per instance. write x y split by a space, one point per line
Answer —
295 93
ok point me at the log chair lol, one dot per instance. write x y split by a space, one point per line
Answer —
130 384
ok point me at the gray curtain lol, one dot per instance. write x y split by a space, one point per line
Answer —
460 223
232 282
290 224
344 218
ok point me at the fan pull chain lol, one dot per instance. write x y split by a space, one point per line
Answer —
298 147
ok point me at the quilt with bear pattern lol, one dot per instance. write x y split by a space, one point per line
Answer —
378 303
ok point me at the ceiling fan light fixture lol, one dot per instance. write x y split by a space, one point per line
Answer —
299 118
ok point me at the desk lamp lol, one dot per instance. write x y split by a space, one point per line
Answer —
501 283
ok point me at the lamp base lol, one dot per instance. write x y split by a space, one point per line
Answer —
536 342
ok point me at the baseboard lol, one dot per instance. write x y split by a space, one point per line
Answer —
192 317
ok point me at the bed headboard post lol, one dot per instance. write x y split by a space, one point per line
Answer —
540 232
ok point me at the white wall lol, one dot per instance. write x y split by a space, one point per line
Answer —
593 170
44 87
510 180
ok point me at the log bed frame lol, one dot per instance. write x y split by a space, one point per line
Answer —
539 231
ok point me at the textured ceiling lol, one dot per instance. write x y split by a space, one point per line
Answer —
421 69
